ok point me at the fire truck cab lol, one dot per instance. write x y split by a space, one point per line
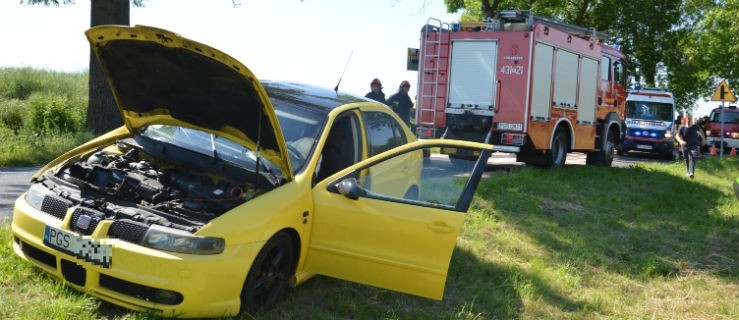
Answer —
525 84
729 116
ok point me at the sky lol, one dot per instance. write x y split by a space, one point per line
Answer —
309 41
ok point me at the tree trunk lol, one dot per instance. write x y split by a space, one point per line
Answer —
489 10
102 112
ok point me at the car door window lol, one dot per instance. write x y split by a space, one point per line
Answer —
410 177
383 132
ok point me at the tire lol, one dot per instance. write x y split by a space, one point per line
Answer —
670 156
554 157
603 157
269 274
557 156
411 194
462 161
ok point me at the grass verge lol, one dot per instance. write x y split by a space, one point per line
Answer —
573 243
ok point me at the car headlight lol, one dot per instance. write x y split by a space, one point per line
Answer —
708 133
35 195
168 239
668 134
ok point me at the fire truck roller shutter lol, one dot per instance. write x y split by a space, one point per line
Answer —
472 74
542 82
586 101
565 85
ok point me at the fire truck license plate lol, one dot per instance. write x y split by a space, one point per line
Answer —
644 147
84 248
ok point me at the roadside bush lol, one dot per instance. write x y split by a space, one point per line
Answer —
12 114
50 114
20 83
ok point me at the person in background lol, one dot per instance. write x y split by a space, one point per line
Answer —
401 103
376 93
690 138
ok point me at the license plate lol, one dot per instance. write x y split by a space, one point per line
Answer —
84 248
644 146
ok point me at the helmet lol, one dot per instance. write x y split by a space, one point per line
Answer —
376 81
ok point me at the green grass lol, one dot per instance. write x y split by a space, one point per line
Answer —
573 243
42 114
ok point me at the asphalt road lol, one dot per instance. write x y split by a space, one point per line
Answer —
14 181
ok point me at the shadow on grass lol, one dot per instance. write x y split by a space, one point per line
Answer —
475 289
640 222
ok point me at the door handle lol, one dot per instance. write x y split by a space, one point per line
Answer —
441 227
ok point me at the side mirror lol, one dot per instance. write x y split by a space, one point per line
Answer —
349 188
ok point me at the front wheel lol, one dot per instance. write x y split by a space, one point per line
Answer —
269 274
604 156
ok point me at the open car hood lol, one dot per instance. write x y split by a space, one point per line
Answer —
157 76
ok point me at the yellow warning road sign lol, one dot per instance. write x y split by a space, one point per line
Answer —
723 93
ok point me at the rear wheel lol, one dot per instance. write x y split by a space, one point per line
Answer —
558 155
555 157
269 274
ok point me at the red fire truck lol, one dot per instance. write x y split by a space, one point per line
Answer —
526 84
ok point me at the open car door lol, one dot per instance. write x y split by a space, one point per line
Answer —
392 220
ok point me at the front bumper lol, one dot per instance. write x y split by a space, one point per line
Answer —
207 285
647 145
728 142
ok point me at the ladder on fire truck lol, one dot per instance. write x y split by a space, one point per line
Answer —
428 89
528 17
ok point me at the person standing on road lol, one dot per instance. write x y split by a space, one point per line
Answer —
401 103
376 93
690 138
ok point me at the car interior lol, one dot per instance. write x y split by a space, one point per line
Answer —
342 148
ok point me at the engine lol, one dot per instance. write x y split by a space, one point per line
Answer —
127 183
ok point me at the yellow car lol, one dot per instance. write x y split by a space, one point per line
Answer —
221 190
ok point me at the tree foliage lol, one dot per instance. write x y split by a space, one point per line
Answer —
684 45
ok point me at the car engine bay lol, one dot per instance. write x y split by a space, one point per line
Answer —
148 185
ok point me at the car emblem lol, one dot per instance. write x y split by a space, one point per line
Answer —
83 222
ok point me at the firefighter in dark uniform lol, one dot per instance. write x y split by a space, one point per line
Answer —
401 103
376 93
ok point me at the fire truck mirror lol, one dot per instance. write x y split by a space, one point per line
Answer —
412 62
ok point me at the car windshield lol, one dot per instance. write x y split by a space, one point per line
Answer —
649 110
729 117
300 126
206 143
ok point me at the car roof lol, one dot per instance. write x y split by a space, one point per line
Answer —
317 98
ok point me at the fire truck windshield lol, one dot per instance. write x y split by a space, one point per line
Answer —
644 110
729 117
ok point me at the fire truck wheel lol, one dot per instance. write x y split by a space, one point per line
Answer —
558 155
604 156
